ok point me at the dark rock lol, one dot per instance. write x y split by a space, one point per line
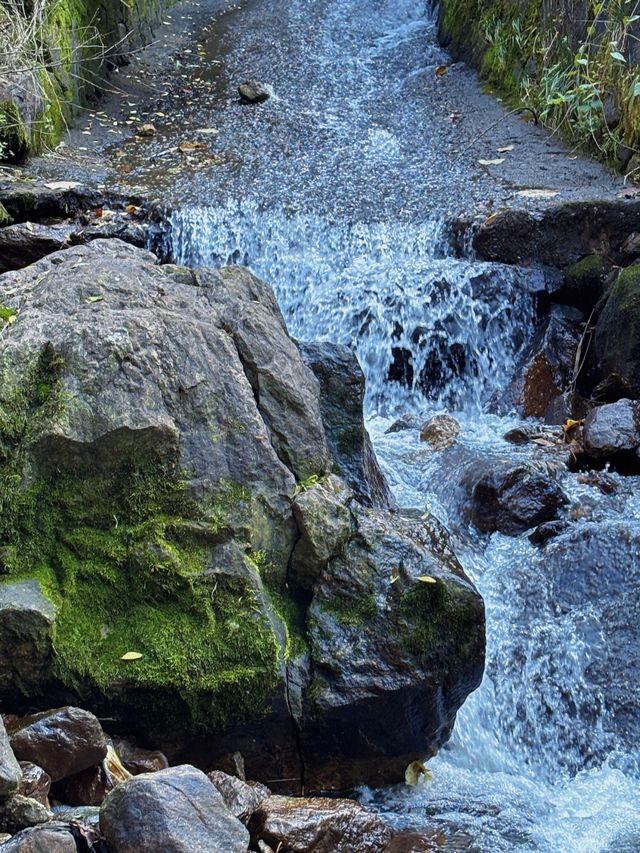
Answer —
130 232
321 825
87 788
440 431
412 842
371 712
241 799
612 429
324 522
26 624
18 812
138 760
35 783
560 235
43 839
26 242
407 421
63 741
519 435
584 283
253 92
341 400
547 531
176 810
616 342
10 772
512 498
26 201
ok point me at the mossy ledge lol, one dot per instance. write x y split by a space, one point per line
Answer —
122 554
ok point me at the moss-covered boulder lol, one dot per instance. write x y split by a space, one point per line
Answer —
616 343
158 428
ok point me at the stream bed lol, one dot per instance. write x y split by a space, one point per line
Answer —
338 192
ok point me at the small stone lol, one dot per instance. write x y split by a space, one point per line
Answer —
547 531
41 839
147 130
253 92
63 742
241 799
35 783
18 812
407 421
440 431
612 429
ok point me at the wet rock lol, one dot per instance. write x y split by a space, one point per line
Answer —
44 839
18 812
584 283
35 783
612 429
10 772
519 435
320 825
26 242
560 235
544 372
324 523
407 421
146 130
130 232
63 741
547 531
26 624
241 799
616 342
512 498
91 786
412 842
341 403
25 200
176 810
138 760
253 92
440 432
377 705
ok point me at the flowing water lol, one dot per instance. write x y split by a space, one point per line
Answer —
342 205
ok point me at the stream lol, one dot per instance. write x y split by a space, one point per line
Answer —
340 200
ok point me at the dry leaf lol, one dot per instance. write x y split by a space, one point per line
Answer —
131 656
505 148
441 70
495 162
414 772
395 575
62 185
427 579
538 193
91 299
570 424
213 131
188 147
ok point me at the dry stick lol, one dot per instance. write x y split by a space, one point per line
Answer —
495 124
580 360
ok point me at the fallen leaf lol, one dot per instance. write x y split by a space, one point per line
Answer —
543 442
131 656
133 209
414 772
91 299
147 129
495 162
427 579
538 193
188 147
506 148
570 424
395 575
212 131
441 70
62 185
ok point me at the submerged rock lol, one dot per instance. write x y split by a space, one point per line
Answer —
253 92
176 810
321 825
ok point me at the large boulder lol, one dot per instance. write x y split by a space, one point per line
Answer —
63 742
176 810
54 839
318 825
398 600
616 342
166 483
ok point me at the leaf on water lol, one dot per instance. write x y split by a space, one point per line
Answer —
495 162
441 70
91 299
427 579
9 315
62 185
416 772
570 424
212 131
188 147
537 193
505 148
131 656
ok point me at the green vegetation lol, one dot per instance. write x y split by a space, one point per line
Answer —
114 550
575 75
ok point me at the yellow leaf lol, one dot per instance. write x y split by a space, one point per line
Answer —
131 656
495 162
570 424
441 70
417 772
427 579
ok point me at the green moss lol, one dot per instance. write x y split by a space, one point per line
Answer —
352 610
5 217
585 271
14 139
114 550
